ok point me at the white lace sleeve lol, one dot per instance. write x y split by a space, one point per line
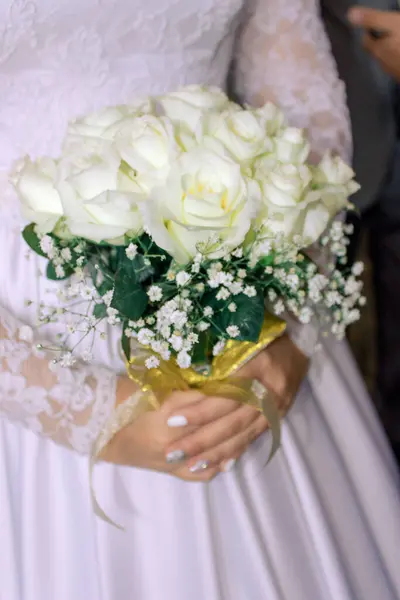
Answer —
284 56
69 405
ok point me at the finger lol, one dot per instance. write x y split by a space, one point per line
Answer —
202 476
178 399
370 18
206 410
233 448
215 433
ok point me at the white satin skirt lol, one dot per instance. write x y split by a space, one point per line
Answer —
320 522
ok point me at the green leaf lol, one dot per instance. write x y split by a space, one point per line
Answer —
249 316
126 345
108 277
202 349
100 311
51 272
136 266
129 298
32 239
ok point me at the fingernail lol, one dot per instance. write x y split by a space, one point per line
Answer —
228 466
201 465
177 421
175 456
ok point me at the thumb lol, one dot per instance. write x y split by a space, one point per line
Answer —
369 18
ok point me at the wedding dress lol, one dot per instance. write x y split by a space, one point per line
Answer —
322 520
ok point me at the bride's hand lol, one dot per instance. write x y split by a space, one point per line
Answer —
225 428
191 447
281 368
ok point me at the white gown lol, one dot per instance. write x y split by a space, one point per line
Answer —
322 521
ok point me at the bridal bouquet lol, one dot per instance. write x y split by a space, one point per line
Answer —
185 220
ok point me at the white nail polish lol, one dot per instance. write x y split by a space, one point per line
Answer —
177 421
201 465
175 456
229 465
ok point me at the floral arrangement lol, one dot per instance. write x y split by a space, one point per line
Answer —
182 218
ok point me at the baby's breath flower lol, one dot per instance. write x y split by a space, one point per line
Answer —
154 293
279 307
193 338
362 301
357 269
236 287
131 251
47 246
66 254
183 359
87 356
208 311
145 336
152 362
171 276
293 281
203 326
242 273
272 295
238 253
60 271
233 331
232 307
223 294
305 315
176 342
113 318
218 348
182 278
67 360
107 298
250 291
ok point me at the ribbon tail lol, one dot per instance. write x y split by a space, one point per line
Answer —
122 416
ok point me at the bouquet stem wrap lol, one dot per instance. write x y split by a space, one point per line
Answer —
156 384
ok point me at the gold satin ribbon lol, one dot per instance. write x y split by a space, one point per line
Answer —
156 384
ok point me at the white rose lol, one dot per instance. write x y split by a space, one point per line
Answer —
291 207
335 180
273 118
98 201
291 146
190 103
242 132
148 144
104 123
206 200
34 183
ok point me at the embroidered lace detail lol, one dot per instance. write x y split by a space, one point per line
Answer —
70 405
284 56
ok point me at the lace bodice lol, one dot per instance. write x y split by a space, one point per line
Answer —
62 58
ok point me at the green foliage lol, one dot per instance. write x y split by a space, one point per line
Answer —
32 239
249 316
126 344
52 275
129 297
100 311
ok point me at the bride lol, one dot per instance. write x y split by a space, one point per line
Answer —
322 520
